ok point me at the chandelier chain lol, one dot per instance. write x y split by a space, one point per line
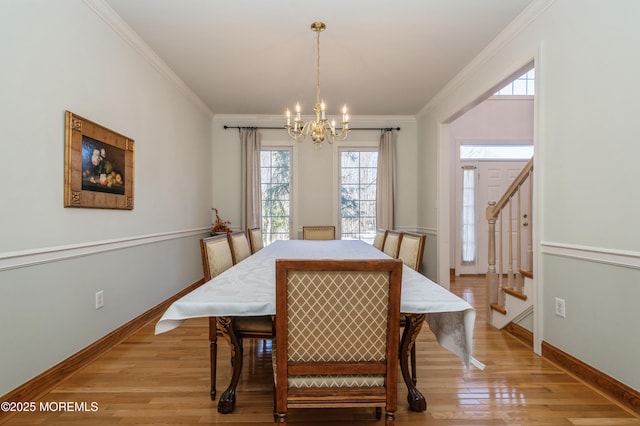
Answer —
320 129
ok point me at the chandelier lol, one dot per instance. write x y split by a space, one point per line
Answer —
319 128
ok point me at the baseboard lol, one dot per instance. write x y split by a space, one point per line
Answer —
619 391
520 333
49 379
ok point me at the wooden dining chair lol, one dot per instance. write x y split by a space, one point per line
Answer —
410 252
378 241
318 232
255 239
392 243
239 246
217 257
337 335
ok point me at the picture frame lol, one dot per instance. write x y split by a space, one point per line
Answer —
98 166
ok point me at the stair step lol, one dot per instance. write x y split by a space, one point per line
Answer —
528 274
515 293
499 308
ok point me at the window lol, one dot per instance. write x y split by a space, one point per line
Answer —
523 85
275 168
358 175
468 215
496 152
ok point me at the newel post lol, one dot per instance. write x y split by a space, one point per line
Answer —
492 276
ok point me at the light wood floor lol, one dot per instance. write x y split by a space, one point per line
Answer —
163 380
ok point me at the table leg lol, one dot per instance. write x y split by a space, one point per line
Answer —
213 354
227 401
414 323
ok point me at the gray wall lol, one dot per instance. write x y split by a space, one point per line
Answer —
587 244
59 56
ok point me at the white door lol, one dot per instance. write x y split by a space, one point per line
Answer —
494 177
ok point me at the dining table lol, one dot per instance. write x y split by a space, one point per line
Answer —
248 289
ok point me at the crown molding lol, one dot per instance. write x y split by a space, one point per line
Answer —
357 120
120 27
522 21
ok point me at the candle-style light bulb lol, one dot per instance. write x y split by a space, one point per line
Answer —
288 113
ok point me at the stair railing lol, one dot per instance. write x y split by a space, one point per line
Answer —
511 200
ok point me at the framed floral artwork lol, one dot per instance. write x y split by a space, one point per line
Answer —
98 166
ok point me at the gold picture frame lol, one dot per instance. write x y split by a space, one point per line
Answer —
98 166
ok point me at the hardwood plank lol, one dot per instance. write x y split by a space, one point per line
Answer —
148 379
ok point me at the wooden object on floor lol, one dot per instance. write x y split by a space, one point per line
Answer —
217 257
149 380
337 335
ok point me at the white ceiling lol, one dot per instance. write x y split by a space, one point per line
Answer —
259 57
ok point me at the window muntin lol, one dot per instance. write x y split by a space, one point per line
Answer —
525 85
275 169
496 152
358 177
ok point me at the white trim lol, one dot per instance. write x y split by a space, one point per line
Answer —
21 259
509 33
428 231
622 258
120 27
279 120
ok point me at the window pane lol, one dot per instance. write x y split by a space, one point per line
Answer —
523 85
468 216
358 176
496 152
275 171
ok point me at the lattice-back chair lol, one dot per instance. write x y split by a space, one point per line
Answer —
392 243
318 232
217 257
255 239
410 252
337 335
378 241
239 246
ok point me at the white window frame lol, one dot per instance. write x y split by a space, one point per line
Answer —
340 150
292 210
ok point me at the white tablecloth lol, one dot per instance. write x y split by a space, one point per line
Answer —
248 289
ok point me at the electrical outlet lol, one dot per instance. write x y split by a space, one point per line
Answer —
560 308
99 299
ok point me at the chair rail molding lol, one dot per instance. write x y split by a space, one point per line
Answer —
25 258
622 258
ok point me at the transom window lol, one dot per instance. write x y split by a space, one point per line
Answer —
275 169
525 85
358 176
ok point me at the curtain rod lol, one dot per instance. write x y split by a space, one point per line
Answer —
282 128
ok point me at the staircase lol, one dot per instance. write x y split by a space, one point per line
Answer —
509 276
517 304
